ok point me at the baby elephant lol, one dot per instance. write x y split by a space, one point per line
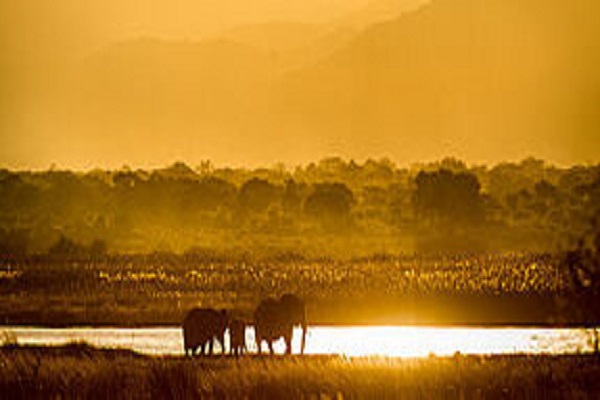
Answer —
237 336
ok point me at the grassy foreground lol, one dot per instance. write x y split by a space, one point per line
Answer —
81 371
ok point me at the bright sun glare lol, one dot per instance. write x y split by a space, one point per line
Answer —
363 341
394 341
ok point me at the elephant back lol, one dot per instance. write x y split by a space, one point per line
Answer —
268 310
270 318
274 317
294 307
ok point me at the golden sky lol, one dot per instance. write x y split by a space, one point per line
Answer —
106 83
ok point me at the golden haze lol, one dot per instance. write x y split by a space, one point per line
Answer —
246 83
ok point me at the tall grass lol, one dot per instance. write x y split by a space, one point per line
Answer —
159 290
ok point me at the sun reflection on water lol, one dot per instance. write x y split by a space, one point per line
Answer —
387 341
395 341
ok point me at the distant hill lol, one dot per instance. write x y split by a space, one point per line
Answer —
292 45
482 79
276 36
472 76
379 10
296 44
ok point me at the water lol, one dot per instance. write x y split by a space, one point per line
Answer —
392 341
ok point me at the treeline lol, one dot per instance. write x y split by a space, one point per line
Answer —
333 207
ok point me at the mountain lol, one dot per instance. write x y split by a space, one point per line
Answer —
377 11
292 45
295 44
276 36
484 80
477 78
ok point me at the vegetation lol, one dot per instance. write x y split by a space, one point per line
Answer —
583 267
371 242
159 288
333 208
80 371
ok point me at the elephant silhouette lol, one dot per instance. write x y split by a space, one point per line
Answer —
237 337
274 319
203 326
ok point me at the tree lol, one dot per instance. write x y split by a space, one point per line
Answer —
13 243
330 204
98 249
66 248
209 194
583 271
257 194
293 195
447 199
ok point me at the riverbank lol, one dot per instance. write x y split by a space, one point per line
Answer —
72 310
78 370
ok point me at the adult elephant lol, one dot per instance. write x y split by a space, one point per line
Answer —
202 326
274 319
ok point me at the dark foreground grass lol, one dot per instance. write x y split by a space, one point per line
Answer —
81 371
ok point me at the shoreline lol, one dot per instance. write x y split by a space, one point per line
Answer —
330 325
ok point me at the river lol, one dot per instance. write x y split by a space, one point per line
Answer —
392 341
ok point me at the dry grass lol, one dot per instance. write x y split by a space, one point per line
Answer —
158 291
81 371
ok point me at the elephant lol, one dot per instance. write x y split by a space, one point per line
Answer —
274 319
237 336
202 325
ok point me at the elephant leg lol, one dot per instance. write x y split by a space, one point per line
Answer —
201 349
270 343
303 342
210 347
258 341
288 344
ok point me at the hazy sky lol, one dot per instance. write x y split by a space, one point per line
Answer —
78 88
42 42
82 23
